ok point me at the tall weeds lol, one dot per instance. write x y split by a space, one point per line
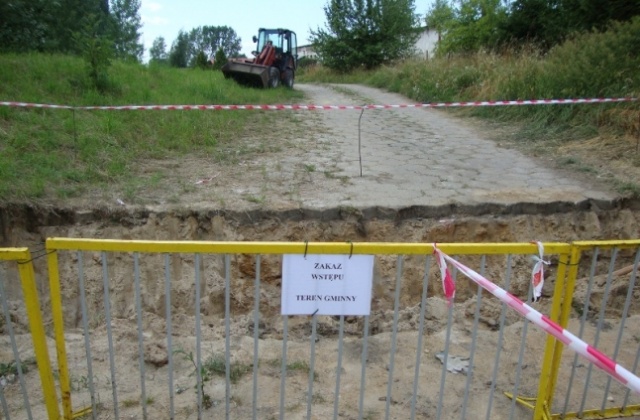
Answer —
605 64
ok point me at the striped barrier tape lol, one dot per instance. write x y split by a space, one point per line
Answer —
537 274
317 107
602 361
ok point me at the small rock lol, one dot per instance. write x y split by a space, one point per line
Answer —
455 364
156 354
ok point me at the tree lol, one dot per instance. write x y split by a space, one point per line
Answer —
158 51
476 25
220 59
97 52
200 61
23 26
586 15
69 17
439 16
209 39
126 29
365 33
179 54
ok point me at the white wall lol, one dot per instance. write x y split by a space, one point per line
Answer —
426 44
306 51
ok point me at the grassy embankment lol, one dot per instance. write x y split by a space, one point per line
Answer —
56 153
602 140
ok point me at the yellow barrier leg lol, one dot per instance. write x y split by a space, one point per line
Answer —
543 403
565 312
58 327
36 325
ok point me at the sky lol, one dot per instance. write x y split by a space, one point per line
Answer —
167 17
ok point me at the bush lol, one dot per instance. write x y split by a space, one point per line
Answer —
220 59
306 62
200 60
97 52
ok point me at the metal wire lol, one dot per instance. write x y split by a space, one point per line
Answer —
256 336
14 348
523 342
227 330
474 336
312 364
199 385
443 375
423 307
363 369
283 370
107 310
625 312
603 307
336 400
394 334
167 303
496 365
85 328
138 297
583 321
5 408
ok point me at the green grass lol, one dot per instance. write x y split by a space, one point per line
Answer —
64 153
215 365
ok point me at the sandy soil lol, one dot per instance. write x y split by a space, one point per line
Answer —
302 183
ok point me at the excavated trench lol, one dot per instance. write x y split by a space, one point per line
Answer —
556 222
30 226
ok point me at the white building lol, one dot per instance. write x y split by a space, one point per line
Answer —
425 45
307 51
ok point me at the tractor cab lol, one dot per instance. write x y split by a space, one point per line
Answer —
277 48
275 60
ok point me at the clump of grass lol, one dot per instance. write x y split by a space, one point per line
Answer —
10 368
213 365
216 365
293 367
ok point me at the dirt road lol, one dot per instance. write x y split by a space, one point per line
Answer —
399 158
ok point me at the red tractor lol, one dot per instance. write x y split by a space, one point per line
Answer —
274 63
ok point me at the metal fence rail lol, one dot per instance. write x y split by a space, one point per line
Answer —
20 390
188 330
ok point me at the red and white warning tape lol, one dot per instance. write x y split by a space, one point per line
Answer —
592 354
318 107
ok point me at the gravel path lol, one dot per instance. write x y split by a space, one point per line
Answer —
422 157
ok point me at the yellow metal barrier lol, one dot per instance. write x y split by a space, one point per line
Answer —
22 257
370 248
569 258
563 296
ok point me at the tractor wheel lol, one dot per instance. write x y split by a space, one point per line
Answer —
288 78
274 77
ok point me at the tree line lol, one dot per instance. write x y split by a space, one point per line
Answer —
196 47
470 25
72 26
100 30
370 33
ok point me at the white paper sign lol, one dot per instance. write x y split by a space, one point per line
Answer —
328 284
